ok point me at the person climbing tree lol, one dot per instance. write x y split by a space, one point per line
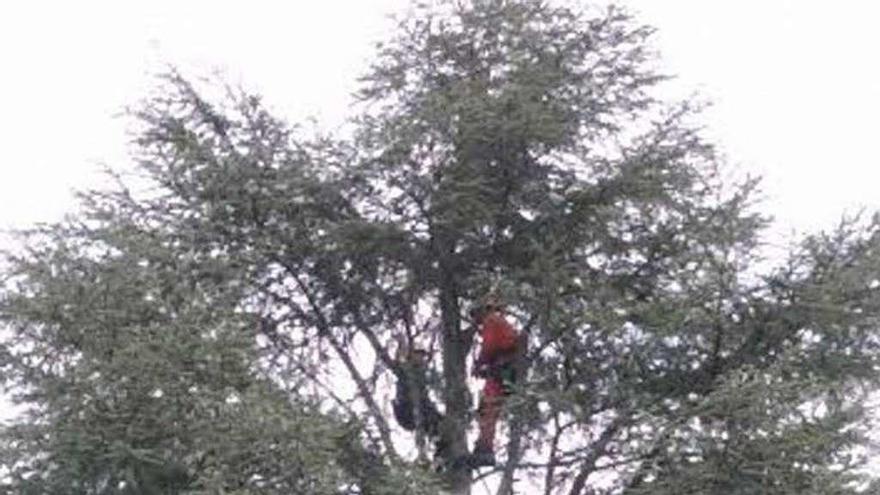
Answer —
413 408
496 363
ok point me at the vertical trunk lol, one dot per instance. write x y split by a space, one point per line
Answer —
417 389
517 425
552 459
456 396
514 451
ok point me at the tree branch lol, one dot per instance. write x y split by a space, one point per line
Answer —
598 449
551 457
514 452
324 330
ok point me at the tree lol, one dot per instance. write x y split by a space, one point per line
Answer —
140 371
225 321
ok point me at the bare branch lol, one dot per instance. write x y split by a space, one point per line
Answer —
363 388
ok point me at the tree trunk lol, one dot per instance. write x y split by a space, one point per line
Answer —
456 346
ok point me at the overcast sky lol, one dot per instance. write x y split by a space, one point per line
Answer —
797 92
795 84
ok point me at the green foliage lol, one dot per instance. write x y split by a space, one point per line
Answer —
223 321
140 376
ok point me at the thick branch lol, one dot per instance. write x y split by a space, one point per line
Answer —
378 348
552 458
514 452
589 464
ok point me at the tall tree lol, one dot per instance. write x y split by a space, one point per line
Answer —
227 323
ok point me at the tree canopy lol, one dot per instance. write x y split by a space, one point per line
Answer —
223 320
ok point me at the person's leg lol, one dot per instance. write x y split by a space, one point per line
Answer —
431 417
403 408
489 412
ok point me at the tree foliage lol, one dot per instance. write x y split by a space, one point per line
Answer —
223 322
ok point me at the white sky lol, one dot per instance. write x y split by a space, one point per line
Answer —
797 92
796 84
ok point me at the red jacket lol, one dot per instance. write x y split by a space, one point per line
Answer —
499 338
